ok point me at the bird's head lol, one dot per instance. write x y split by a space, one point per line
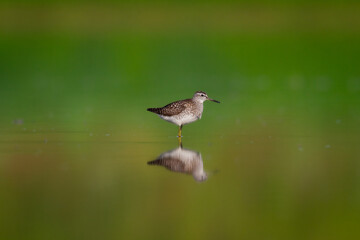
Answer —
200 176
202 97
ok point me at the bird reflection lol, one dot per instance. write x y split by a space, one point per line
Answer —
184 161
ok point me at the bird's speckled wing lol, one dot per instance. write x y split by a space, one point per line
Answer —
172 164
171 109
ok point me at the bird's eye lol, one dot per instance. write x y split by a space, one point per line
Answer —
202 95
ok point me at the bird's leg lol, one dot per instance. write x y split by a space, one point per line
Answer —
179 141
179 133
179 136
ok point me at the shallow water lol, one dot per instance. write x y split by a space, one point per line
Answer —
287 185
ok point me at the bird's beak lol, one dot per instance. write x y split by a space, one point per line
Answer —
213 100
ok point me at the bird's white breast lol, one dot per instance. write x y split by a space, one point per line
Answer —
180 119
189 115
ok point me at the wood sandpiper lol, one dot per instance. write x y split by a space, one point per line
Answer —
184 111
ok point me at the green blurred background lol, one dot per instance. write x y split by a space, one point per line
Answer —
281 150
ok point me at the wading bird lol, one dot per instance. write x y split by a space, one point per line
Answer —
184 111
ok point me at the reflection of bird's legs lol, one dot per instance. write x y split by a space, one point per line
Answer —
179 133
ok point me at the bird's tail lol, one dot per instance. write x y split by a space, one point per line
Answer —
154 110
154 162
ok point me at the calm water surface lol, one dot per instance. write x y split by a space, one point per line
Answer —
223 183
